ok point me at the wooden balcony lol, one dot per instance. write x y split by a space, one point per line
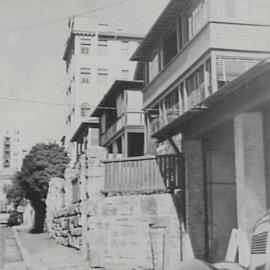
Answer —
175 111
144 174
130 118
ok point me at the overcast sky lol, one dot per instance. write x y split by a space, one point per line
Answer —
31 66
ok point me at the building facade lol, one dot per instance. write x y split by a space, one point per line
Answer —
195 49
95 56
10 160
10 149
121 120
207 82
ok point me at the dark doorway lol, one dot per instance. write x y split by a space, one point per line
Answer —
135 144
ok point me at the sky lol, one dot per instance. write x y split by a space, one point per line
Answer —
32 38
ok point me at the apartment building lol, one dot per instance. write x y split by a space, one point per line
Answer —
95 55
10 149
206 82
10 160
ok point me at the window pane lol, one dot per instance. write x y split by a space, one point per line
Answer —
153 67
85 45
196 17
85 75
229 68
195 87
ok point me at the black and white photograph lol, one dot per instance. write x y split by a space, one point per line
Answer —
135 134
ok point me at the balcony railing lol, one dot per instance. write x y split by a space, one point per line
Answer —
142 174
130 118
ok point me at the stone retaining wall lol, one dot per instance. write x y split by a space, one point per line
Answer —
124 231
66 227
135 232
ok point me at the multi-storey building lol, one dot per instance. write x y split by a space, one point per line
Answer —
10 160
10 149
122 119
201 84
95 56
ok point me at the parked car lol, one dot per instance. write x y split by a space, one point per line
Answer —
4 217
15 218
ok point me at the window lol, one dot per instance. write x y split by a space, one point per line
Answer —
103 76
124 74
195 87
85 45
208 76
7 139
169 46
172 105
85 109
6 163
102 47
229 68
119 146
154 118
7 154
195 19
125 48
85 74
182 97
154 67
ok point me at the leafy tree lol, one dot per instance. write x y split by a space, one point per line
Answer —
14 192
43 162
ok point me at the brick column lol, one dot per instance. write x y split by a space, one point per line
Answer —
250 168
195 196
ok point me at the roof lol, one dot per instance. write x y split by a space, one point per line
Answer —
117 87
236 86
92 122
159 29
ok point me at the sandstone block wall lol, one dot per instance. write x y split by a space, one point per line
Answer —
135 232
124 231
54 201
66 226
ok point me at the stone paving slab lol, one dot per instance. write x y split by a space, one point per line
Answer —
10 256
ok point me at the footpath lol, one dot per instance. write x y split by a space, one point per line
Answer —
10 257
40 252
